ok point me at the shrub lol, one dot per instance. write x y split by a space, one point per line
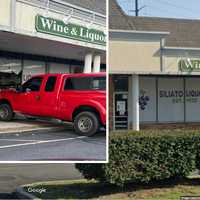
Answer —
198 155
147 156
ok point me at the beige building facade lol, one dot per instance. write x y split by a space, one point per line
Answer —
154 70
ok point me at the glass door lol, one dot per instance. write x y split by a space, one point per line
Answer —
121 110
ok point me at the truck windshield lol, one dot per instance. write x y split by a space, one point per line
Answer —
85 83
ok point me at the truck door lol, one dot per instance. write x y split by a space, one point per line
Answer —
48 101
28 99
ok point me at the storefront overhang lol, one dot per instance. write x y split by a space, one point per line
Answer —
37 46
130 34
55 20
181 48
155 73
181 51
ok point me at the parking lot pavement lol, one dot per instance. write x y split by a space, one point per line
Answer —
25 125
14 175
53 146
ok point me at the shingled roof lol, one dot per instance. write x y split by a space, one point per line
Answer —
183 32
94 5
117 17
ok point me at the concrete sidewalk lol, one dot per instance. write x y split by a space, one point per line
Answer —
21 124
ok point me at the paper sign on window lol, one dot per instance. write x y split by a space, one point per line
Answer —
121 107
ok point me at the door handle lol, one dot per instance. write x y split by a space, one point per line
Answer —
37 97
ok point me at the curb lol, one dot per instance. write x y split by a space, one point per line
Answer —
22 194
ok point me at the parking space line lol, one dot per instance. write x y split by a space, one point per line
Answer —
41 142
17 140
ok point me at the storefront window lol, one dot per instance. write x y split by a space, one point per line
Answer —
32 67
76 69
10 65
57 68
10 72
192 98
120 83
147 99
170 100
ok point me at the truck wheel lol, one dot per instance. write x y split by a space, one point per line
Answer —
6 112
86 123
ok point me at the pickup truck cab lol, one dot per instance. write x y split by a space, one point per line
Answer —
77 98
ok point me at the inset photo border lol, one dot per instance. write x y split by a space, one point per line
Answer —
54 82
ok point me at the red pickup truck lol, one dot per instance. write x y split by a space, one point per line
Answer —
77 98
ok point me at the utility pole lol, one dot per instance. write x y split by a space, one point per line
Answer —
136 8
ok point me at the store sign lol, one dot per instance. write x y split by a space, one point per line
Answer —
73 31
189 65
177 95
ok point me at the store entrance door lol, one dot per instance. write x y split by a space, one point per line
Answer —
121 110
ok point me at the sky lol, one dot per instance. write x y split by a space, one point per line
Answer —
188 9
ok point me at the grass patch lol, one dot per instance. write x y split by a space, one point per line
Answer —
83 189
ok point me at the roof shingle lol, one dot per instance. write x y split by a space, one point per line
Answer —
117 18
94 5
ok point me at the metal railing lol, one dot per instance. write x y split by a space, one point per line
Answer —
66 9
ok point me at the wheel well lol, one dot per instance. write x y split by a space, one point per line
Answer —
85 108
4 101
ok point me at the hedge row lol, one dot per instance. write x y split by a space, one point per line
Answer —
147 156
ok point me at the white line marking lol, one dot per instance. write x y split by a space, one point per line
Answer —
40 142
16 140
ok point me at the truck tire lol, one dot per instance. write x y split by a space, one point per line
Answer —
6 112
86 123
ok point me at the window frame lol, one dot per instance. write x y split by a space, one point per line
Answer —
38 77
66 78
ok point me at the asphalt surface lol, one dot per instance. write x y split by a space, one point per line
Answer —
8 196
14 175
53 146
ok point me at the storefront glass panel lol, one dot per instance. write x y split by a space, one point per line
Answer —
32 67
170 100
10 72
147 99
57 68
120 83
76 69
192 98
10 65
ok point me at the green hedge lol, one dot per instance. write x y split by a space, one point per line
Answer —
147 156
198 155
